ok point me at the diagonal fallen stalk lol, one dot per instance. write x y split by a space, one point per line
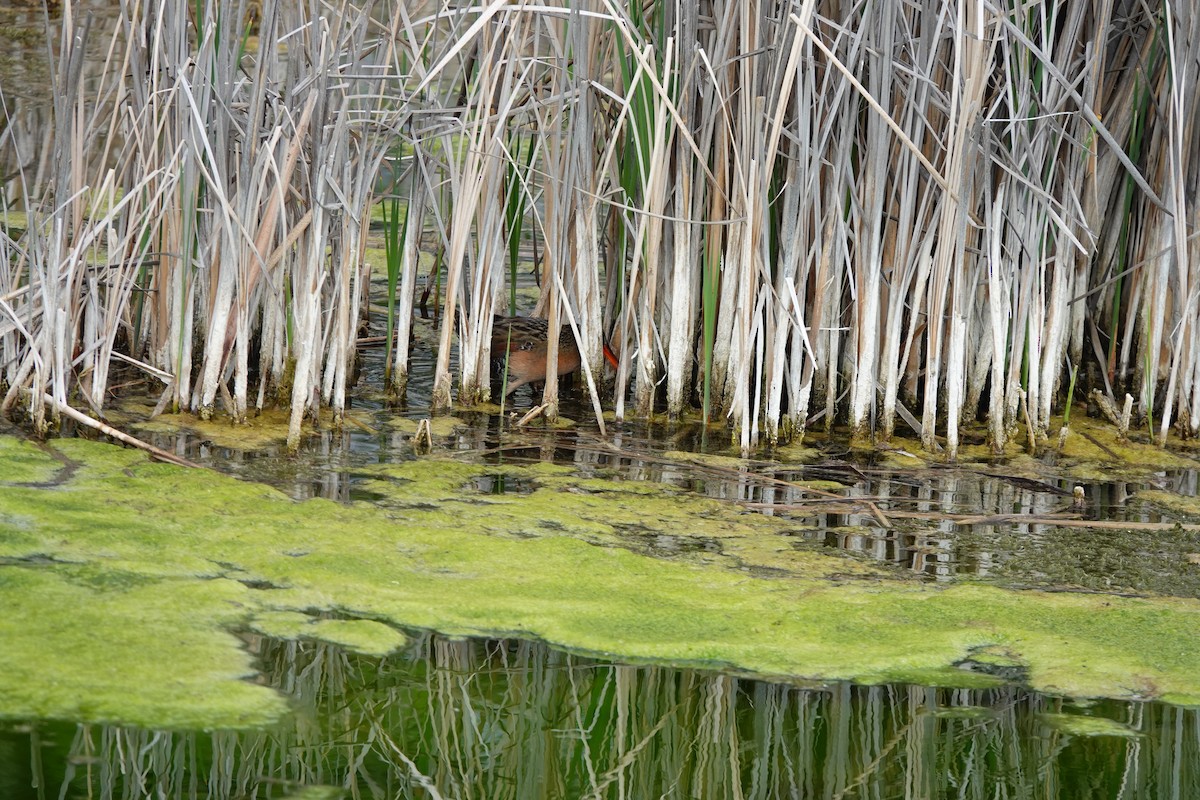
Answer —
108 430
532 414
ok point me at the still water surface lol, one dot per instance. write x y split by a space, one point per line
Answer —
512 719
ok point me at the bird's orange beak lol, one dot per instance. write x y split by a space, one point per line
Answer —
610 356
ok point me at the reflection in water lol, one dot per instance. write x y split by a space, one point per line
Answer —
927 542
499 719
1006 542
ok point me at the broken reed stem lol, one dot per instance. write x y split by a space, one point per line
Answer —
120 436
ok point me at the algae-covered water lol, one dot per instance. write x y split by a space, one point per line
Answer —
553 612
550 612
502 718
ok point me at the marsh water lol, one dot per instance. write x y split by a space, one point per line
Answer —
482 717
491 717
506 715
497 719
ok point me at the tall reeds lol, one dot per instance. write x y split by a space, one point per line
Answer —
903 217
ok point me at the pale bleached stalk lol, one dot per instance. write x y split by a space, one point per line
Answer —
783 305
975 52
680 343
835 269
1130 329
791 351
1037 310
558 207
978 344
1155 310
1183 46
1055 334
500 70
679 300
1193 385
828 276
999 311
1190 349
312 270
308 275
176 281
553 221
366 152
467 168
406 287
784 308
124 231
870 225
467 186
740 274
210 136
714 202
346 260
740 410
588 37
55 266
732 266
655 205
272 344
908 243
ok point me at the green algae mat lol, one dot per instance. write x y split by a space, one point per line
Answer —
125 586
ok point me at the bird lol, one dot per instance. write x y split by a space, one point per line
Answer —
522 343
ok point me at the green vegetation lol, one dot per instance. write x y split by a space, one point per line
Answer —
1079 725
129 577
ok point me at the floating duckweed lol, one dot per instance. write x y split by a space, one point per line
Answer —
262 429
1092 442
24 462
1187 508
439 427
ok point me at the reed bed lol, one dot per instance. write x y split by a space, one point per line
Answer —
906 217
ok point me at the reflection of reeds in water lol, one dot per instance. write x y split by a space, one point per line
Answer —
471 719
883 213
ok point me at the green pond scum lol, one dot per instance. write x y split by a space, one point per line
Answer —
1080 725
127 583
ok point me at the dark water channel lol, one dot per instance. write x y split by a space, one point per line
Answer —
511 719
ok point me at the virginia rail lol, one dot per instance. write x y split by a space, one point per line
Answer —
525 340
